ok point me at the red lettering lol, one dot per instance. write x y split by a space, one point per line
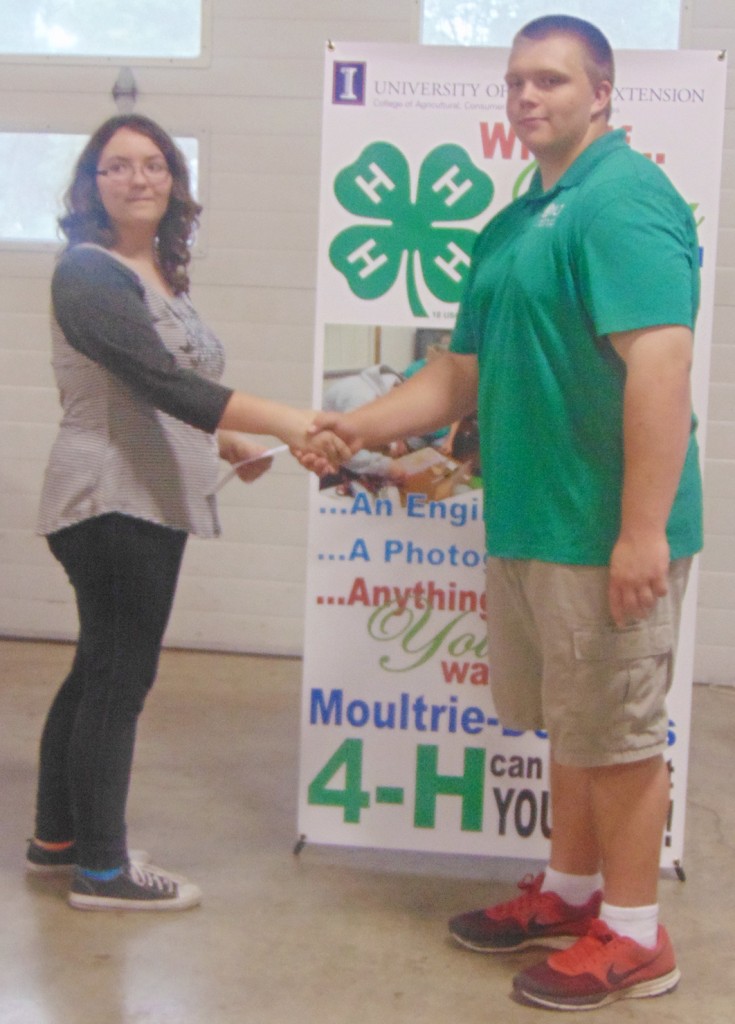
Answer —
454 672
501 136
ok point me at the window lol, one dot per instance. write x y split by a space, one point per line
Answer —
35 171
628 24
102 28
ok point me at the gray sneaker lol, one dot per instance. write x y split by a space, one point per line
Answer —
137 887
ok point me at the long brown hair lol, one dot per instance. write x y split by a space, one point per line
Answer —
86 219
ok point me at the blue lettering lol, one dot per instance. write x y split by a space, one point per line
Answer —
359 550
322 712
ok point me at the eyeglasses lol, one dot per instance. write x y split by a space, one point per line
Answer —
155 170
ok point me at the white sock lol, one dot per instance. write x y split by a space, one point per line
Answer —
574 889
637 923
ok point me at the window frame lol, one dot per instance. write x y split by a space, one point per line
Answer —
52 245
116 60
685 21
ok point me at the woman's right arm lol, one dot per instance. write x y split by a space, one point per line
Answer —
100 307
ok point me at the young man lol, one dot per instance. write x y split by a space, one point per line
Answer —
574 343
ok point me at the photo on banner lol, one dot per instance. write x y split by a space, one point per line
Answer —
400 744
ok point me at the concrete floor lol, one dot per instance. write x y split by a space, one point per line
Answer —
333 936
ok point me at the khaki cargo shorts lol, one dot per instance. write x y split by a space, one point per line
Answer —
559 663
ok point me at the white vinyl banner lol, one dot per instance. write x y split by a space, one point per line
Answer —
400 744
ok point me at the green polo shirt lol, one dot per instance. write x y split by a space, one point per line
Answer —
611 247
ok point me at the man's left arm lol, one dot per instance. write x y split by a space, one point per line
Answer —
656 427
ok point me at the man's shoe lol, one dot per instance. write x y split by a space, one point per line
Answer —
598 969
534 918
40 861
135 888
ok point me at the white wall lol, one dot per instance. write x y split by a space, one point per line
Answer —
257 108
711 26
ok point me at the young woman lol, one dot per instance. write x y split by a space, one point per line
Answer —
131 474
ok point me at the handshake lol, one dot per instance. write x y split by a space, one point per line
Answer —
330 440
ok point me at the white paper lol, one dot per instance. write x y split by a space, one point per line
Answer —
246 462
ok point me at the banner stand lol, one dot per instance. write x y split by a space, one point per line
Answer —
400 745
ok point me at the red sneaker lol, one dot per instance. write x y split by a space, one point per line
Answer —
534 918
598 969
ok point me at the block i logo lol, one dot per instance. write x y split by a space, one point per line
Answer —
348 83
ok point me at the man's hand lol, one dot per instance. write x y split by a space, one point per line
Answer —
656 424
328 431
340 424
639 571
322 452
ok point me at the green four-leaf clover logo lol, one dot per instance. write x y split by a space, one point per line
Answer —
378 187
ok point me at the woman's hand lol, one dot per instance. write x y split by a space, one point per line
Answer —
235 447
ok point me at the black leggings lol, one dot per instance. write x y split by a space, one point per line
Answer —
124 573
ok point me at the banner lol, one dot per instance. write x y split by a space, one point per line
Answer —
400 744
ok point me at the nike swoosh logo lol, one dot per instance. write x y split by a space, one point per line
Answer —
616 979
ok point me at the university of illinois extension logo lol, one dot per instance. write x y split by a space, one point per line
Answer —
348 83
